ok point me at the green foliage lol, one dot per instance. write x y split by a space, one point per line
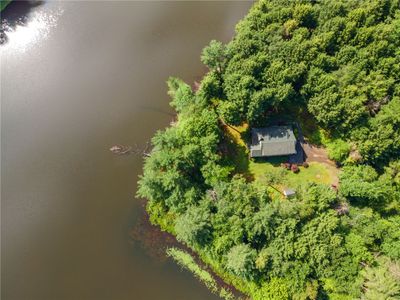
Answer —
193 227
225 294
241 260
181 93
339 60
173 173
363 186
366 223
4 3
379 140
338 150
334 63
214 173
304 15
214 56
382 281
391 238
159 215
229 112
210 87
318 197
186 261
275 289
289 27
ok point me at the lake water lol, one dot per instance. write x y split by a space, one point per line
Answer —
77 78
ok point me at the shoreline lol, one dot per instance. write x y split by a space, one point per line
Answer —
155 243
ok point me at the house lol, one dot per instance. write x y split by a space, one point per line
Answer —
272 141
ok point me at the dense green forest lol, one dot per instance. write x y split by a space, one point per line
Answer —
335 64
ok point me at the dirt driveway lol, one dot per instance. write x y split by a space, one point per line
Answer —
312 153
318 154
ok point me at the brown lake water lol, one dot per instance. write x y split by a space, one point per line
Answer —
76 78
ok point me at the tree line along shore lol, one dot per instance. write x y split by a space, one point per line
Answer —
333 67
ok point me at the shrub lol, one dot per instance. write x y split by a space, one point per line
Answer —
286 166
275 176
241 260
193 227
338 150
295 168
275 289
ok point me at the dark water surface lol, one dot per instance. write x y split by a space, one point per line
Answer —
76 78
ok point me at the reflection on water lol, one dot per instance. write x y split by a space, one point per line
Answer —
22 26
153 241
93 75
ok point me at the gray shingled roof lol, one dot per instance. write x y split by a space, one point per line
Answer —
272 141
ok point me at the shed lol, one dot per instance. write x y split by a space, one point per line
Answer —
289 193
272 141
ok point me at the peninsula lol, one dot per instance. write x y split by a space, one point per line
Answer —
282 169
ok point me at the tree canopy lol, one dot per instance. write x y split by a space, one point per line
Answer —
336 61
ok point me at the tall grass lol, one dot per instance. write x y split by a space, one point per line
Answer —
185 260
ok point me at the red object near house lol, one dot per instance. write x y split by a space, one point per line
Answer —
286 166
295 168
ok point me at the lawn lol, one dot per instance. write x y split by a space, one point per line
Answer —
269 171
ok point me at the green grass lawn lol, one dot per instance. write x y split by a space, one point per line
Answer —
268 171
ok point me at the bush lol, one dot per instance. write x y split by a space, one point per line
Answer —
193 227
338 150
286 166
275 175
241 261
294 168
275 289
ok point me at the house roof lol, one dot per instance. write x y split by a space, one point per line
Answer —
272 141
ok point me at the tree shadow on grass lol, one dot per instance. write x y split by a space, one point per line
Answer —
17 13
236 155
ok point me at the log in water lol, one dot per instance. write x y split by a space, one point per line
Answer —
77 78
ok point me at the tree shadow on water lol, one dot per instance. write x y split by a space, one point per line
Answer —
17 13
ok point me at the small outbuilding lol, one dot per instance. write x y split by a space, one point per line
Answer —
289 193
272 141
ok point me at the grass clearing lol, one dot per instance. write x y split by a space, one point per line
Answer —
269 171
265 171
